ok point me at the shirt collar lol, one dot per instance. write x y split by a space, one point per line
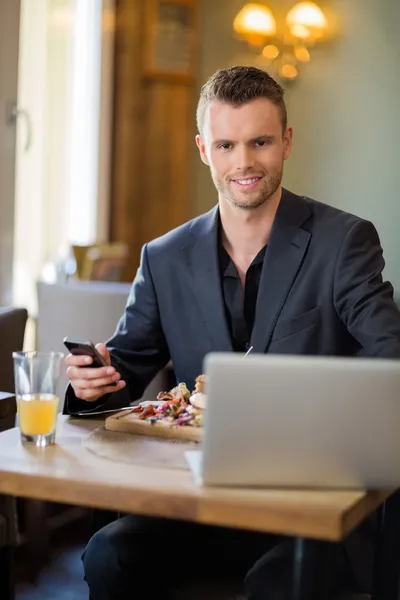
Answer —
227 266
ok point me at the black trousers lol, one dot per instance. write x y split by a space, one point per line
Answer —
136 558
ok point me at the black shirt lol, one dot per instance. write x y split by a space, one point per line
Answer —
240 305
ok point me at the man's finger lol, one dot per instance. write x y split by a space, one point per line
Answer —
102 349
91 395
78 361
88 374
92 384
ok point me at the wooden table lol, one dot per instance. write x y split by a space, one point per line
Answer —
69 473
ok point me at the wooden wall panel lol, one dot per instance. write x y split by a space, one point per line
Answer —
152 142
127 119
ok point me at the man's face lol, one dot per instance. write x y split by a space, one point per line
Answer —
245 148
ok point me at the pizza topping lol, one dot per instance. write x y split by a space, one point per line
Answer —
198 399
175 406
200 381
165 396
148 411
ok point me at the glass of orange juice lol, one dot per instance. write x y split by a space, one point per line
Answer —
36 381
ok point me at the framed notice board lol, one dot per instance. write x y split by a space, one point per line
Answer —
169 43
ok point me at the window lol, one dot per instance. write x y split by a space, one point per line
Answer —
65 85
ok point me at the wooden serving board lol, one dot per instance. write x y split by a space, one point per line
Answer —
130 423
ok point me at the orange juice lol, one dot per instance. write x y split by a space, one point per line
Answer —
37 413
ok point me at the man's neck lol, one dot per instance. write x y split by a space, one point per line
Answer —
245 232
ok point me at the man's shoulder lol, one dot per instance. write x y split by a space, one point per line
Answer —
182 235
325 215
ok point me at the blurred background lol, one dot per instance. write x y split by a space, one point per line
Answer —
97 153
97 125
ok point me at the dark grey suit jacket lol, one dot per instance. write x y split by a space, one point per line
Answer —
321 293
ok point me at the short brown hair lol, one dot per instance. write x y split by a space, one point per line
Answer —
237 86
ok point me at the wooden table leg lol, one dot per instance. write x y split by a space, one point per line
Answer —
387 551
37 536
7 573
312 569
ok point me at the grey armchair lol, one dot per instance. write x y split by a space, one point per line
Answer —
12 332
8 512
7 547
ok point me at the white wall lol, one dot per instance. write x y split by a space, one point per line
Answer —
344 110
345 114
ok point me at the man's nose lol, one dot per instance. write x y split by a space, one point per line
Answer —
245 159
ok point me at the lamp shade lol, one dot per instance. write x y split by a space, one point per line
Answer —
254 22
306 19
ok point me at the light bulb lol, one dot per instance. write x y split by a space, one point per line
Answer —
288 71
270 52
301 53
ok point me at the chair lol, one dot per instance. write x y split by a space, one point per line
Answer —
77 309
101 262
84 310
8 520
12 331
105 262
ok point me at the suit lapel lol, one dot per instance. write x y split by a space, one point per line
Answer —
286 248
201 256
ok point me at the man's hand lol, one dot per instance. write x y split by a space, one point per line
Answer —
90 383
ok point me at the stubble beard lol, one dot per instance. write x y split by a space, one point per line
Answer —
270 184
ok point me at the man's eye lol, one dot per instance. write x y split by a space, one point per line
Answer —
225 146
261 143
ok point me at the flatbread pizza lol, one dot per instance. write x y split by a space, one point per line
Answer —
178 406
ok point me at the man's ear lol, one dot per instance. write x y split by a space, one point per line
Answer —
202 149
287 142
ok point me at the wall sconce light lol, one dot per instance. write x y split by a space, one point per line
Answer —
284 51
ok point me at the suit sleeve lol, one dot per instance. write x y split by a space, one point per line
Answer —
138 347
363 300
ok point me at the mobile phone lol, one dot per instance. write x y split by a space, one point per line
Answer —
85 348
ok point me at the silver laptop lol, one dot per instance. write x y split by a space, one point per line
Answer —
301 422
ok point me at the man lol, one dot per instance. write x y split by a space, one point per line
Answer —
265 268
